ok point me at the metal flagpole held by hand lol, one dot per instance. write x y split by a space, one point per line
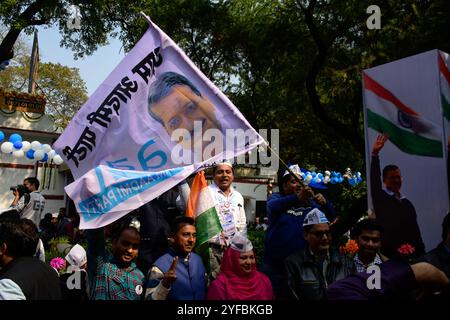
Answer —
285 165
305 191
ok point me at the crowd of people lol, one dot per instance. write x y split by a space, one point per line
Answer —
150 254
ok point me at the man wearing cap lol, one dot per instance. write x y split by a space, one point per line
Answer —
229 204
286 211
311 271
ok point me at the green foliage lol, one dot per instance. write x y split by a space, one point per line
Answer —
270 57
257 239
53 252
62 87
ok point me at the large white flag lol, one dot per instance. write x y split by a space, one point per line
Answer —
155 120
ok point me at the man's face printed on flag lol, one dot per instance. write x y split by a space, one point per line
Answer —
180 108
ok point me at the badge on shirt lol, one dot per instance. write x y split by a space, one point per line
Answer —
138 289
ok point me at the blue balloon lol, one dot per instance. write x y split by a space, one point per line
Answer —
30 154
15 137
2 136
45 158
17 145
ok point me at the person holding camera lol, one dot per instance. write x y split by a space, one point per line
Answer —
28 201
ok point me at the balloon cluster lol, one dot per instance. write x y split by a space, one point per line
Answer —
316 179
32 150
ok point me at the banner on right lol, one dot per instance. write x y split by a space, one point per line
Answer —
408 187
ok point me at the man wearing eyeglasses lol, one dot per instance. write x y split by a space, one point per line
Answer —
393 211
311 271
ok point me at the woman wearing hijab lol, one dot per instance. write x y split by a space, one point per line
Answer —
238 278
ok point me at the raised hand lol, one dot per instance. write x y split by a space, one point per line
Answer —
320 199
170 276
305 194
379 143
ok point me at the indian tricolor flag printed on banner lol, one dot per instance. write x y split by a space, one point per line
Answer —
444 75
202 208
406 128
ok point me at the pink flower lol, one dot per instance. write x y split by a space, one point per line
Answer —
406 249
58 263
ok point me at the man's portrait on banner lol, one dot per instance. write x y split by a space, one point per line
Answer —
176 103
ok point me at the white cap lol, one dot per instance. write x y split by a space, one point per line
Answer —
241 243
77 256
55 214
226 162
294 168
315 216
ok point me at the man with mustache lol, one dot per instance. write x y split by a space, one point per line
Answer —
180 273
229 204
312 270
176 103
393 211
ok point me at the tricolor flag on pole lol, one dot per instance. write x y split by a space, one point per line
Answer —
407 129
201 207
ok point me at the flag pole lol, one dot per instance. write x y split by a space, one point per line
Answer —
34 60
285 165
146 17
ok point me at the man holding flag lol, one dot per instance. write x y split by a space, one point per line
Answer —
119 154
114 178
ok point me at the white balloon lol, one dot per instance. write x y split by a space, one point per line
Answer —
57 159
51 154
308 177
26 146
46 148
35 145
39 154
18 154
7 147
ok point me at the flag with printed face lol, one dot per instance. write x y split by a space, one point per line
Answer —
408 100
155 120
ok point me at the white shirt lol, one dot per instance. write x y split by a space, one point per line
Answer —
9 290
389 192
33 210
231 213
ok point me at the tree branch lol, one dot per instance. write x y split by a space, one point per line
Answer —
311 81
7 45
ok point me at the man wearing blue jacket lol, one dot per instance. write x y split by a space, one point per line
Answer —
286 211
180 273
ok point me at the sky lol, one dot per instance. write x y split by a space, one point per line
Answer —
93 69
